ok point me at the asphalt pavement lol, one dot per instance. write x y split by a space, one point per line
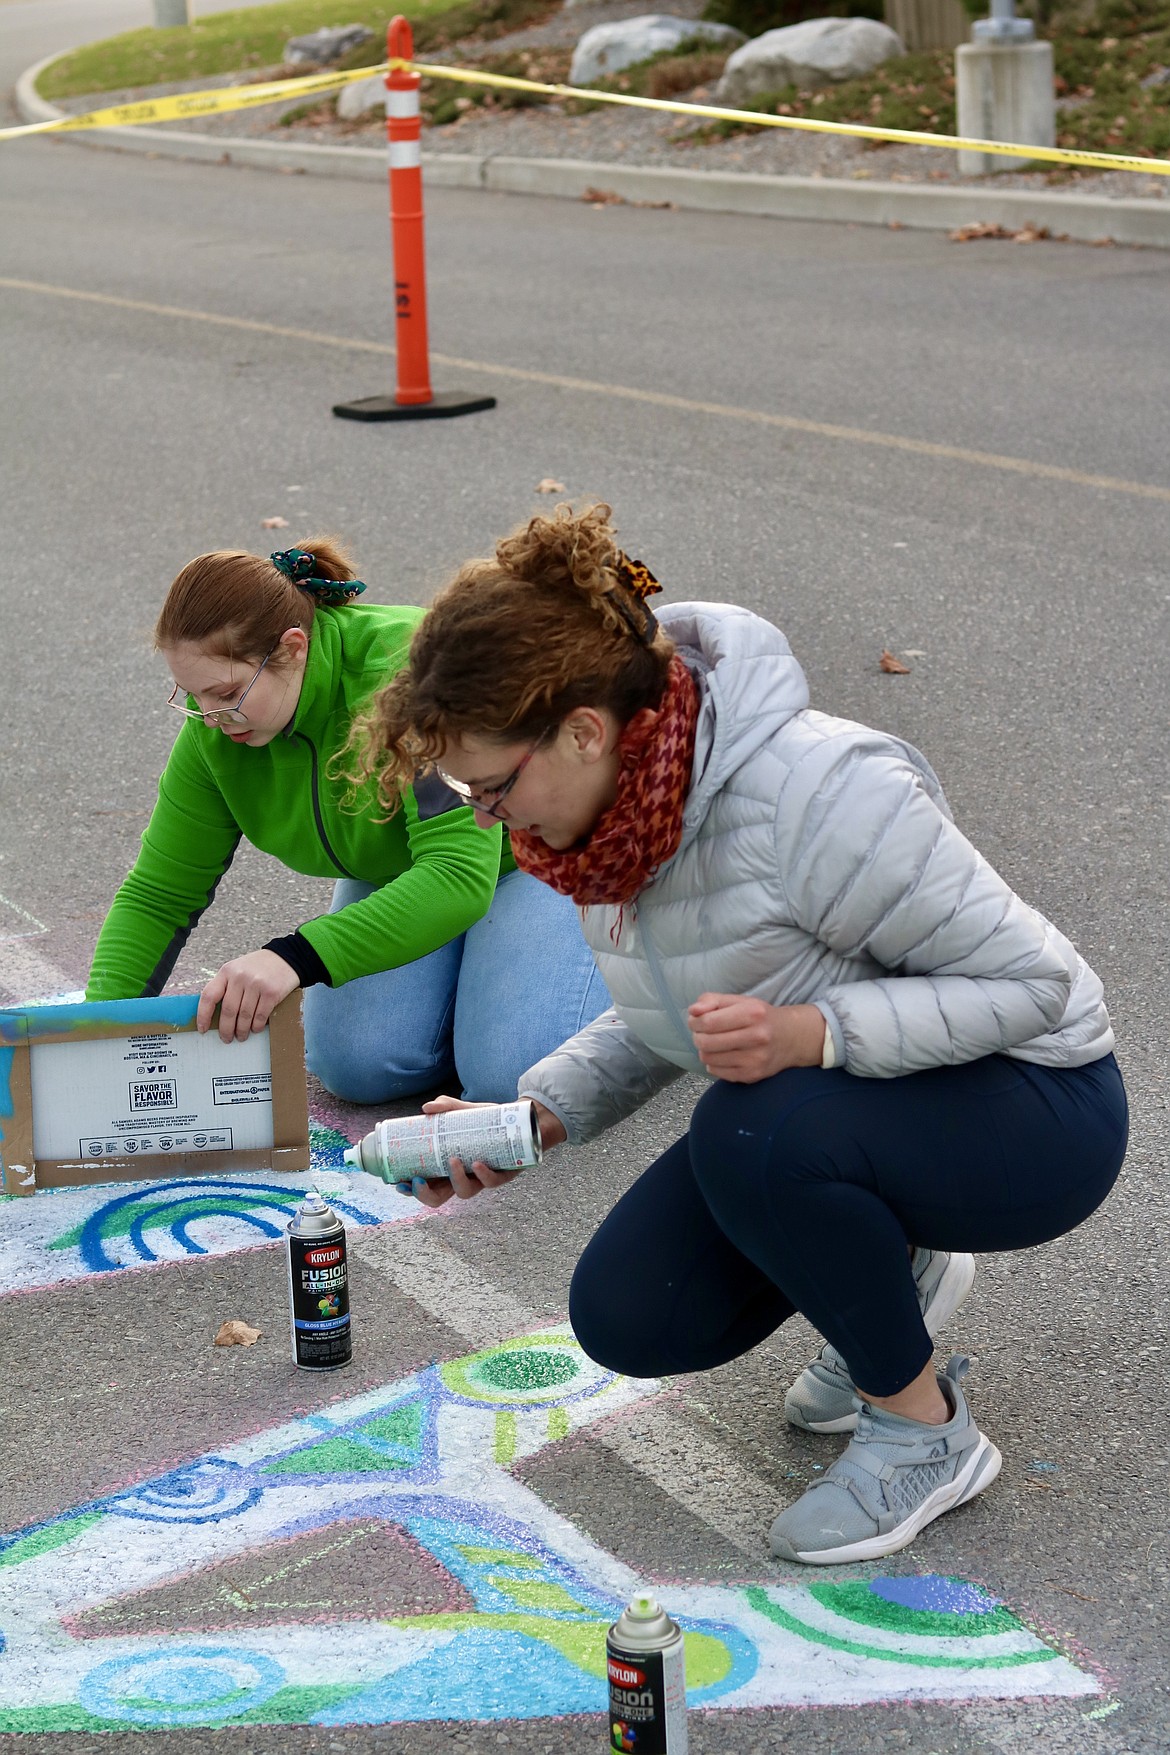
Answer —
971 474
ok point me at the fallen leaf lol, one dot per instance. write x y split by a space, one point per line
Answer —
984 228
893 666
979 228
237 1334
549 486
274 523
603 197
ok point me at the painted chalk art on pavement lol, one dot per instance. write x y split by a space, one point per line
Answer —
63 1234
378 1562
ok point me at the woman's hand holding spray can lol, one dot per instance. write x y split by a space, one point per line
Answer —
428 1154
424 1154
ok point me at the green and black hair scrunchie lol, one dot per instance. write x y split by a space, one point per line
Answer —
298 565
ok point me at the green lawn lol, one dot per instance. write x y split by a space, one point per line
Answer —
231 42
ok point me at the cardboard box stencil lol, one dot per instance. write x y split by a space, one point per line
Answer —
128 1090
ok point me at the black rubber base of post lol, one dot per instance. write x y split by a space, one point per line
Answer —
444 404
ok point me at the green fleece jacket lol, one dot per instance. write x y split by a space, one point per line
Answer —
435 870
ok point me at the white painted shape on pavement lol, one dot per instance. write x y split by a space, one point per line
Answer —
783 1647
17 922
66 1234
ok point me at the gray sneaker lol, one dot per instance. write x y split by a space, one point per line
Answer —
893 1478
822 1398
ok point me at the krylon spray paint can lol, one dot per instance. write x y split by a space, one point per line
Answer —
505 1136
646 1665
318 1287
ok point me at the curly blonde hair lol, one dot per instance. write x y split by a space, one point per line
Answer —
512 645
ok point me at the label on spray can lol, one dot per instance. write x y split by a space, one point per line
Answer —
505 1136
646 1668
318 1287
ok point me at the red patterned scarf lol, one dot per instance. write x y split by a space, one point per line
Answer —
642 828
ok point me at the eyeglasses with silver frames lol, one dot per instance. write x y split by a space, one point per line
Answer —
487 799
219 716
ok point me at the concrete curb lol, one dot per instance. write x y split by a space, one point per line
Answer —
1086 218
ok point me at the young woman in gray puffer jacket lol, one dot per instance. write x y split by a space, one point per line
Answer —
908 1062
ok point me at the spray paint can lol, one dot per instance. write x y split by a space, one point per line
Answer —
505 1136
318 1287
646 1665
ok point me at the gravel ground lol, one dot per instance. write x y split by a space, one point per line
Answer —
630 136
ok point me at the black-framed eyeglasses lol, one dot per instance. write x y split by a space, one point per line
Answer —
487 799
219 716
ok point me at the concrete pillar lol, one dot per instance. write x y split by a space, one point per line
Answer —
1005 92
170 12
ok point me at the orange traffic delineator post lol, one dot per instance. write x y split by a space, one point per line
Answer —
413 399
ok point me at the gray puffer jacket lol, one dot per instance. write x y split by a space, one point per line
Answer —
818 862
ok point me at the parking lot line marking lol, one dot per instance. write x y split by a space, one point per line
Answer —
701 1476
627 393
445 1285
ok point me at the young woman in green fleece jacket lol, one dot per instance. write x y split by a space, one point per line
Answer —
437 957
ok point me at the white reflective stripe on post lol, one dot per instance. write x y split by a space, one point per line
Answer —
401 103
405 155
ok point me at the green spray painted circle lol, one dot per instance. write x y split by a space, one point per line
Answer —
527 1368
531 1370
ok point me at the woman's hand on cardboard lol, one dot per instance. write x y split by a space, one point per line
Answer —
466 1182
746 1040
247 991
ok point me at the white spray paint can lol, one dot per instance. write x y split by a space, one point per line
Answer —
646 1665
505 1136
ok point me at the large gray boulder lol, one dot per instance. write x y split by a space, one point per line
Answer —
607 48
326 45
817 52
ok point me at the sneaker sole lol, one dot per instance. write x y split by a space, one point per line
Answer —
979 1473
953 1291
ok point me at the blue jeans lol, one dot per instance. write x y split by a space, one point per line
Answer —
802 1192
483 1008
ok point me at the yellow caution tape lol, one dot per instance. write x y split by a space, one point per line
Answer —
1108 161
208 103
196 103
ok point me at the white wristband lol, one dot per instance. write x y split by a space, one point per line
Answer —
829 1053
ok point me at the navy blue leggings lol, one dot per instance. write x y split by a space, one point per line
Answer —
803 1191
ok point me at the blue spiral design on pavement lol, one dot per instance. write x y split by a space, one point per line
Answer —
190 1684
167 1205
206 1492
